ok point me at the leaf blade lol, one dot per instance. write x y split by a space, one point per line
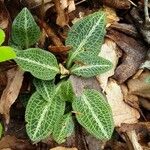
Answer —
25 31
91 66
63 129
94 114
6 53
2 36
38 62
86 35
42 115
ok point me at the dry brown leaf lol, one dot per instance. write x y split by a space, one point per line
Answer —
139 86
129 98
135 52
111 16
108 51
11 142
122 112
61 16
10 94
63 148
70 4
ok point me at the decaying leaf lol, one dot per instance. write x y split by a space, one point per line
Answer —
11 92
122 112
111 16
108 51
139 86
11 142
63 148
61 16
119 4
135 52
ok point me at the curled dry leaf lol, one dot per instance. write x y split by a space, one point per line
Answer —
11 92
63 148
135 52
122 112
61 15
118 4
108 51
139 86
111 16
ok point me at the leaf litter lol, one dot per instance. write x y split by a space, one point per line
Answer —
127 95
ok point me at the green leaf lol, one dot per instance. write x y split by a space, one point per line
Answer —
2 36
6 53
25 31
63 129
45 88
39 63
66 91
1 130
94 114
86 35
42 115
91 66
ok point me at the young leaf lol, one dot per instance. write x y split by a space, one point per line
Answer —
25 31
45 88
86 35
1 130
39 63
41 116
91 66
6 53
63 129
66 91
94 114
2 36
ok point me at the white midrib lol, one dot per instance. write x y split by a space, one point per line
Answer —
47 93
88 67
42 117
84 41
62 129
38 64
95 116
25 27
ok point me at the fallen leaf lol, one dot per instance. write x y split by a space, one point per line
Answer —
11 92
61 15
110 52
145 103
135 52
63 148
11 142
139 86
122 112
70 4
111 16
119 4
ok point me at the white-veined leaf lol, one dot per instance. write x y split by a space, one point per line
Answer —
66 91
42 115
39 63
63 129
86 35
94 114
25 31
91 66
45 88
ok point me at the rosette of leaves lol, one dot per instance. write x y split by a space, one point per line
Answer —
45 112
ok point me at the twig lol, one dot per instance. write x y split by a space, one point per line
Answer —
80 2
132 3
